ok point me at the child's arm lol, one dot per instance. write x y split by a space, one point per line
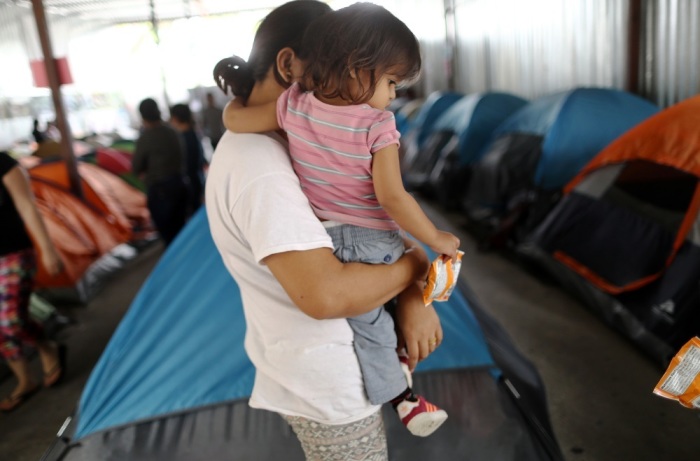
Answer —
255 119
403 208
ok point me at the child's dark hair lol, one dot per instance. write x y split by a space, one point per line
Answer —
362 37
283 27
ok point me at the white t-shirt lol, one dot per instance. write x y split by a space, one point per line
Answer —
304 367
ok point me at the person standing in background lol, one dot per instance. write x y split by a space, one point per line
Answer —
212 124
37 134
159 160
181 119
20 219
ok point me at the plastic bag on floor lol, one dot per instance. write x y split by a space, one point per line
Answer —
681 382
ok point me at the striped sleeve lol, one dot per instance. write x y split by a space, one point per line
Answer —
382 132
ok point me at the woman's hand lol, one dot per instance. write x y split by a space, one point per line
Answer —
419 329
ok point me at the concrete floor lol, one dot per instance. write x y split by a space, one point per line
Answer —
598 384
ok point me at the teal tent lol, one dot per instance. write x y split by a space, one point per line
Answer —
173 382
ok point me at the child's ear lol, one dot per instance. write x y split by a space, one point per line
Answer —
353 74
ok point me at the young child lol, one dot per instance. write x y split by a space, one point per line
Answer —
344 148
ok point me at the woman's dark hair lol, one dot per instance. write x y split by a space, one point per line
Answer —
182 113
364 38
283 27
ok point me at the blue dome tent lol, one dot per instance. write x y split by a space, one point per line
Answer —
421 127
173 382
469 124
541 147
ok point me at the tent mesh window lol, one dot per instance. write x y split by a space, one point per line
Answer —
662 194
625 236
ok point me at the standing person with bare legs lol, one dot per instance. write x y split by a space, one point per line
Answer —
21 219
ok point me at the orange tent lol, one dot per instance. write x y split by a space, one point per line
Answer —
626 234
125 202
83 230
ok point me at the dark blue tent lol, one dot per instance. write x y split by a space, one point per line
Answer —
174 379
467 126
473 120
421 127
542 146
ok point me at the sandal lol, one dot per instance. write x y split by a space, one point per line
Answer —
54 376
11 402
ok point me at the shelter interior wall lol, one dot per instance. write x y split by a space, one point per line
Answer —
525 48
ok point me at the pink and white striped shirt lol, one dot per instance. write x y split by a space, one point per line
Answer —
331 149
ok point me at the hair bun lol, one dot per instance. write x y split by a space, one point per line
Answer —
234 73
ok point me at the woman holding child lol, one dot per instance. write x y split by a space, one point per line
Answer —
296 294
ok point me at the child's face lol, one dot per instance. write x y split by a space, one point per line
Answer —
385 92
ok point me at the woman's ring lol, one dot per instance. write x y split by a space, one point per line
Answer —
432 341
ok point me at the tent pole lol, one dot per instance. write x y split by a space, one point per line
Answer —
55 85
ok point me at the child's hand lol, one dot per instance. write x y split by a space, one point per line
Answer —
445 244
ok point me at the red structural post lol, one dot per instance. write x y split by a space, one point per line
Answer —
55 85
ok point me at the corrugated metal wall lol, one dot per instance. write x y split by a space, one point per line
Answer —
536 47
427 21
529 48
670 50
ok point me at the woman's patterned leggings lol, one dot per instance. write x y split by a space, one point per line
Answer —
16 284
364 440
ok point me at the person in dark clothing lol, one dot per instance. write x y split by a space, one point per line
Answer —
181 119
21 222
211 121
159 160
37 133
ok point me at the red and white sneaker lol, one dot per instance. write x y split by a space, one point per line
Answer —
403 361
421 417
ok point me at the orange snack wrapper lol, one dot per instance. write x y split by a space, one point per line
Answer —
442 278
681 382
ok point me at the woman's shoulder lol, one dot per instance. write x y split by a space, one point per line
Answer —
256 143
254 153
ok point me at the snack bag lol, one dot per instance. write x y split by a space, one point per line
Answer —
681 382
442 278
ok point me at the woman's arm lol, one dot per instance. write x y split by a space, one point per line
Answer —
402 207
254 119
324 288
17 185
